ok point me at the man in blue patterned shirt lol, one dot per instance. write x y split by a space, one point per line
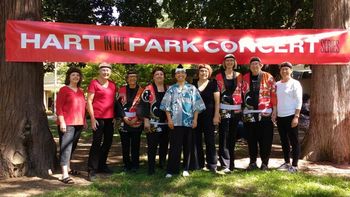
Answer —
182 103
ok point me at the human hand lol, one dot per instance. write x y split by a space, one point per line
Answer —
63 127
216 119
194 124
294 122
171 124
94 124
147 125
273 116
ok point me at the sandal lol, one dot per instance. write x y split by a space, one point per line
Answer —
74 172
67 180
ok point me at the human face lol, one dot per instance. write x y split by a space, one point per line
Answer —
307 104
158 77
105 73
255 67
286 72
180 76
74 78
203 73
229 63
132 79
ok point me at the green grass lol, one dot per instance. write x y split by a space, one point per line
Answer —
53 127
200 183
240 183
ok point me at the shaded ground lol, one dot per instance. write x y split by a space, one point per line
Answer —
27 186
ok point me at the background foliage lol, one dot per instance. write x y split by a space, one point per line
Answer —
230 14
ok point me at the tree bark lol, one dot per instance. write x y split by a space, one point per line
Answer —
329 135
26 143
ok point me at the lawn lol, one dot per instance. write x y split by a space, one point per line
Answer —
201 183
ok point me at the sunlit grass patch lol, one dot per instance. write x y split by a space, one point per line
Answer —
200 183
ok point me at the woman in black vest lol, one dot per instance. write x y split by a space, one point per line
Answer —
155 124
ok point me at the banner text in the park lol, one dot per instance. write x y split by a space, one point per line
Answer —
29 41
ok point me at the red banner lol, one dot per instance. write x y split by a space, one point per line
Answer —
29 41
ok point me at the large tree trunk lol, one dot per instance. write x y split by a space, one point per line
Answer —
329 135
26 144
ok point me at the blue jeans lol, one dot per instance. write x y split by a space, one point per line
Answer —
68 142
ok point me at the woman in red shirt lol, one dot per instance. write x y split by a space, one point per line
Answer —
70 110
100 105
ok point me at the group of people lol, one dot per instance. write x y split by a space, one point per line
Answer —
176 118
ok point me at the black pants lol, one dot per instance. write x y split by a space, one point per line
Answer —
99 152
153 140
131 147
227 141
206 127
68 142
179 138
289 136
259 133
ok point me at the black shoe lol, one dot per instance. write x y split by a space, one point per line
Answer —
151 171
134 169
125 169
106 169
252 166
264 167
91 175
161 166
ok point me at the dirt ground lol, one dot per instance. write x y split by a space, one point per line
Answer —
28 186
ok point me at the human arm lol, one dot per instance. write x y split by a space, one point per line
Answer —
165 105
59 110
216 119
273 98
299 97
274 113
170 120
295 120
90 110
146 125
195 120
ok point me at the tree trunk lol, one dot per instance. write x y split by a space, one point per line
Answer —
329 135
26 143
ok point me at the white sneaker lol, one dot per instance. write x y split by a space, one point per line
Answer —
284 167
226 171
293 169
168 175
185 173
205 169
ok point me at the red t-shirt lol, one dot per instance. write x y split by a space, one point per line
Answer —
103 103
71 105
